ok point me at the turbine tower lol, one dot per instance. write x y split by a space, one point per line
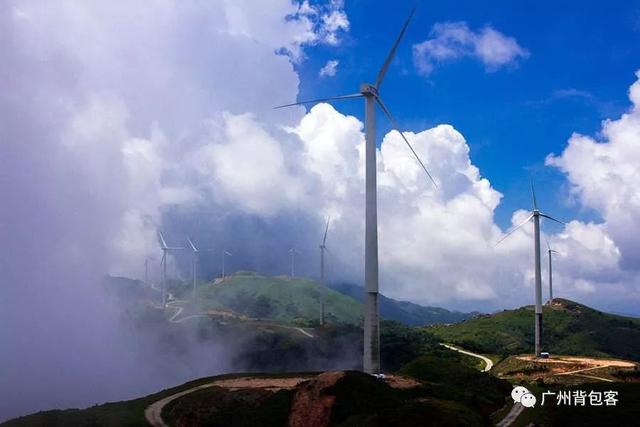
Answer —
549 252
323 247
535 214
194 266
225 254
293 253
370 93
146 271
163 263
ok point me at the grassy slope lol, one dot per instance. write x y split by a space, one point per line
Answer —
450 379
569 328
279 298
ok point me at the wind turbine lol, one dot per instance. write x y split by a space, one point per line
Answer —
535 214
225 254
293 253
194 266
549 252
165 249
323 247
370 93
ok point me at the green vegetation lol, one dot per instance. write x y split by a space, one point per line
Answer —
278 298
382 405
218 406
400 344
406 312
569 328
447 378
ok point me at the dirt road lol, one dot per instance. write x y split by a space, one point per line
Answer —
488 362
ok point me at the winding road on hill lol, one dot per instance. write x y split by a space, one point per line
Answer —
175 318
153 413
488 362
516 409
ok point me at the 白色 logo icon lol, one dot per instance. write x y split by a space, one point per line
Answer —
523 396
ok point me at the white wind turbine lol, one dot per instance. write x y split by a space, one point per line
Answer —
370 93
549 254
323 247
163 263
535 214
225 254
194 266
293 253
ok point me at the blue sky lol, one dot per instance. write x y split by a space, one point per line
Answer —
582 59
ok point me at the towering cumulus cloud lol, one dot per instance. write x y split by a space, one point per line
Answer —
103 106
604 176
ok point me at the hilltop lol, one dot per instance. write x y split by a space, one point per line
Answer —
281 298
569 328
420 396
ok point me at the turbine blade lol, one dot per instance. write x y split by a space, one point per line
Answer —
228 253
193 247
175 248
394 124
313 101
392 52
552 219
514 229
324 239
547 240
533 195
163 243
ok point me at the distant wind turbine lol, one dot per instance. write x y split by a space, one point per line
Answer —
370 92
194 266
293 253
549 252
225 254
535 214
323 247
165 250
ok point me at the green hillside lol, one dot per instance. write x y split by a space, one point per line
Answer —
569 328
278 298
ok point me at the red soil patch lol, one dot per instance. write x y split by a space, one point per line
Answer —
311 404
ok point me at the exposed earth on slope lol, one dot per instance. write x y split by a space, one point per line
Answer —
567 369
330 398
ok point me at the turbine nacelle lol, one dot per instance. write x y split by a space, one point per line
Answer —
367 89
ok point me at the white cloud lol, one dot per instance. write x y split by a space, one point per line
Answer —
454 40
99 145
306 24
330 69
605 176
